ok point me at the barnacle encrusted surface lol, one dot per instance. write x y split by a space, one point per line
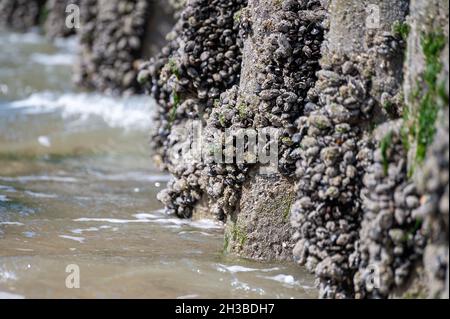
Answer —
391 240
433 184
201 61
336 147
112 36
338 106
281 53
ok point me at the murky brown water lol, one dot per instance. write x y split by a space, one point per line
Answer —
77 187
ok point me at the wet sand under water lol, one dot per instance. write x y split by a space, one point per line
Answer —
77 187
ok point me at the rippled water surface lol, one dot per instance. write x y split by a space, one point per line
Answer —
77 187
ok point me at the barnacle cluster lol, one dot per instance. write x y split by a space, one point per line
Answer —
111 36
391 240
336 149
285 63
201 61
328 210
432 184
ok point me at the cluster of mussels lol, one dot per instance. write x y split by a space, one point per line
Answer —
286 64
433 184
335 151
55 22
20 14
391 241
201 61
223 182
111 37
328 210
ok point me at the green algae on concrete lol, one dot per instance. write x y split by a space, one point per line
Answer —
420 125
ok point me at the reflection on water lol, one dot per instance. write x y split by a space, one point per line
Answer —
77 187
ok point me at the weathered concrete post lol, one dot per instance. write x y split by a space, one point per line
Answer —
281 51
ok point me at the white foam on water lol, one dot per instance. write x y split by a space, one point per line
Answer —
69 44
25 38
40 195
206 224
11 224
155 219
39 178
29 234
145 216
237 269
80 231
239 285
7 189
45 141
284 279
6 275
3 198
112 220
133 176
289 280
131 113
177 223
74 238
7 295
171 221
53 59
